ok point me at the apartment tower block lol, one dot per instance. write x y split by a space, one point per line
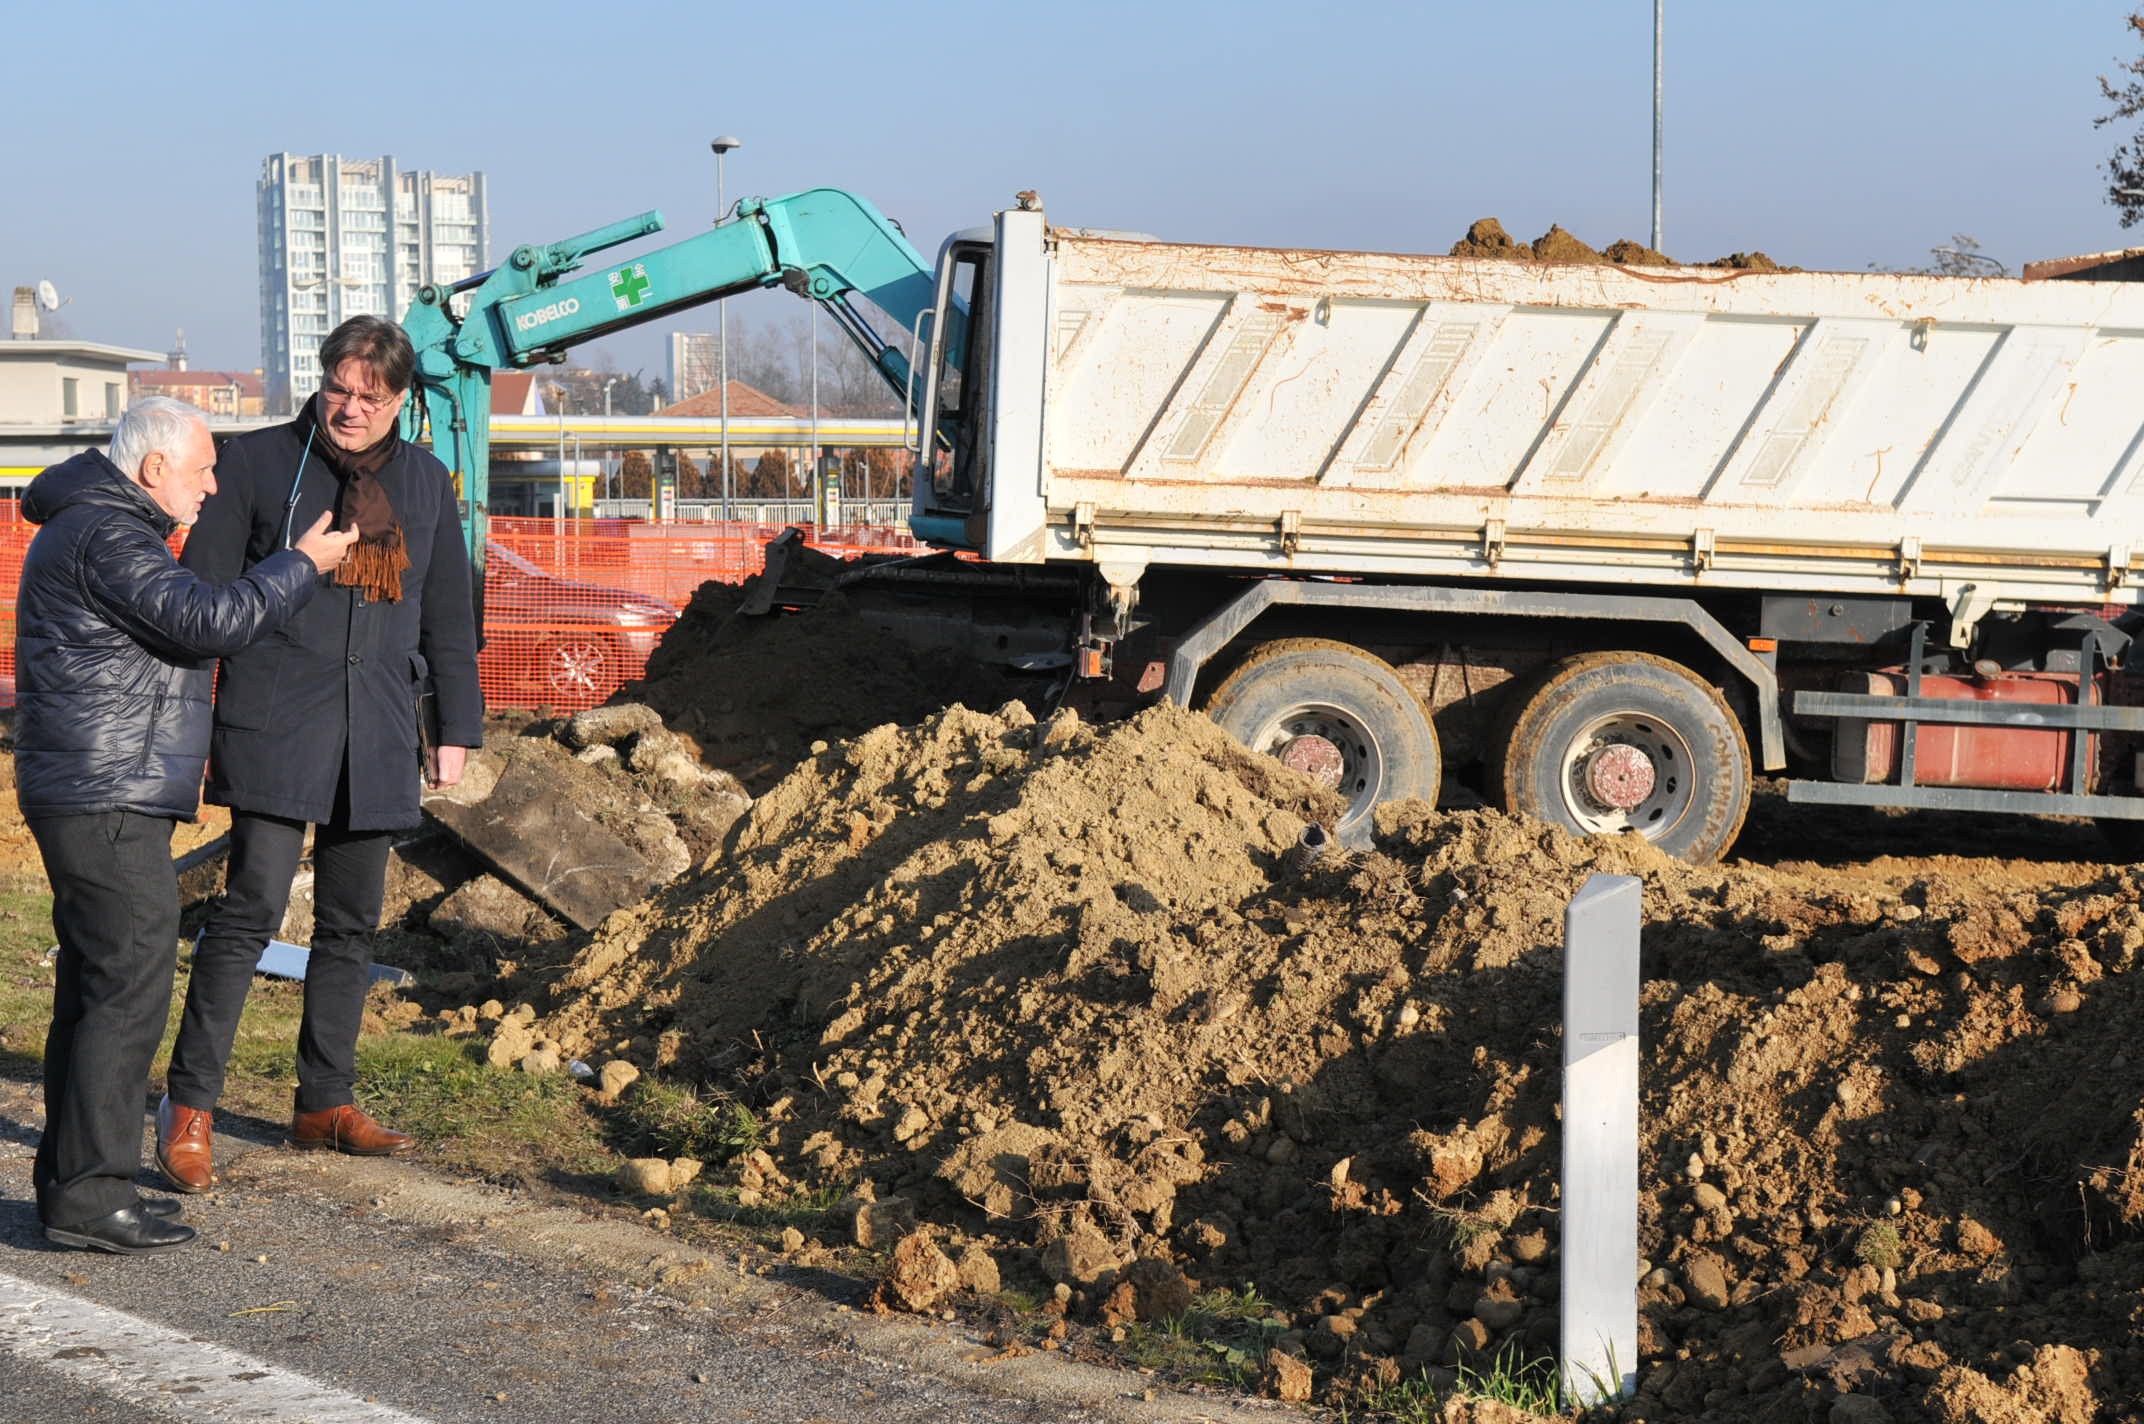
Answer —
343 237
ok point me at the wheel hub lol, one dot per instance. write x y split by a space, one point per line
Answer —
1619 777
1315 757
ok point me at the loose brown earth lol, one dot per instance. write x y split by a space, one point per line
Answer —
1487 238
1065 996
1060 990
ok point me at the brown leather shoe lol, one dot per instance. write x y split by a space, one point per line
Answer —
183 1153
346 1129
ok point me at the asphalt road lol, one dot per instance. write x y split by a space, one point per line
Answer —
344 1289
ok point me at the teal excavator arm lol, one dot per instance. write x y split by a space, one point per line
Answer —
826 244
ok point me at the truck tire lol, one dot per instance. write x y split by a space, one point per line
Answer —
1603 743
1339 715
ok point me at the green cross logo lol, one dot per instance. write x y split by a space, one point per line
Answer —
630 285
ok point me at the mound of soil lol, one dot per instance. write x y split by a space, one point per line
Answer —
1749 262
1627 252
1487 238
755 692
1077 995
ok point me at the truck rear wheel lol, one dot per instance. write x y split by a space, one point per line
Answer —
1340 716
1603 743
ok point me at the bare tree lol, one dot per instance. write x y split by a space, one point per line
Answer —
2125 169
760 357
1963 258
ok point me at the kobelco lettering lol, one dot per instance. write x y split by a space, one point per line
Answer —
529 320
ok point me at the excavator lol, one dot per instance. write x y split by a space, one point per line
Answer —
826 245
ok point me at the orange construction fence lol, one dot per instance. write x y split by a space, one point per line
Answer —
572 608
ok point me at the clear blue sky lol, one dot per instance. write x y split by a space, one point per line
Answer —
1829 134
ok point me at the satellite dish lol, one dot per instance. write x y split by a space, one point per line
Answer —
48 296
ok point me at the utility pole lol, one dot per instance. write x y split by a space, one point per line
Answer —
608 479
1659 15
722 146
817 475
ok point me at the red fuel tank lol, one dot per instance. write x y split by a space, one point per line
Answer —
1950 754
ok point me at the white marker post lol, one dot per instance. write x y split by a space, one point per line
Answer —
1600 1140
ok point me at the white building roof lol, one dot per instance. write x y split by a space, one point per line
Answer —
80 350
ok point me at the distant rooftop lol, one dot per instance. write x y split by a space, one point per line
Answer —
248 383
94 349
746 403
2127 265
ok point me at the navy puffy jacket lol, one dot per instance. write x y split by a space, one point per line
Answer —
112 647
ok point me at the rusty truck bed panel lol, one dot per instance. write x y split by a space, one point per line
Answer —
1370 413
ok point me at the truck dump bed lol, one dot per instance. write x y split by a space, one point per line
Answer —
1357 413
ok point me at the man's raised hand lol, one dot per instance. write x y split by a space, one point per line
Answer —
324 546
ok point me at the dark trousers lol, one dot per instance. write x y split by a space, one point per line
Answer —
115 908
349 883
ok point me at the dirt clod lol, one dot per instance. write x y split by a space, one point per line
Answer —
917 1277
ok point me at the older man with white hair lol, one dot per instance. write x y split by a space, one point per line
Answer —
113 644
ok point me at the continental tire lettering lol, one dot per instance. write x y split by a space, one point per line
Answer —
542 316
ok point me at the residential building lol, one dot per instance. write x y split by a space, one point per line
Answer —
57 383
223 393
695 360
343 237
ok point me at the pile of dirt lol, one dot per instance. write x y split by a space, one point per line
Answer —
1077 995
1487 238
754 692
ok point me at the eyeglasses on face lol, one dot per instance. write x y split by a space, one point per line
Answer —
368 403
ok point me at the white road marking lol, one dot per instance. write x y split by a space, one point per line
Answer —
158 1368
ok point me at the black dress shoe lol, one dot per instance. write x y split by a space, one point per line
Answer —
162 1208
129 1231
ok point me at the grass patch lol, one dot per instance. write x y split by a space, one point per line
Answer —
265 1052
804 1211
1880 1245
25 977
1527 1384
1222 1339
675 1120
473 1115
1458 1230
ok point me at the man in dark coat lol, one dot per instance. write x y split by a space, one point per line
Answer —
319 726
112 644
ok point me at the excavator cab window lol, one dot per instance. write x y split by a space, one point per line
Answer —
961 385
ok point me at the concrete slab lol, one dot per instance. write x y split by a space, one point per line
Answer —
554 851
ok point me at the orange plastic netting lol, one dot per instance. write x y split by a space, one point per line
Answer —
571 608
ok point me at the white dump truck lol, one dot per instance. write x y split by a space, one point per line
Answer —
1606 539
1599 541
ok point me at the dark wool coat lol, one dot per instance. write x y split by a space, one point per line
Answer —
329 700
112 647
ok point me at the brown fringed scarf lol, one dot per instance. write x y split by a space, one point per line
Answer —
375 565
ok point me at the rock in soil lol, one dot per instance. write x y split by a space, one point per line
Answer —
918 1277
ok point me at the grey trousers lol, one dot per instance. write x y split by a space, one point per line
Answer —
115 909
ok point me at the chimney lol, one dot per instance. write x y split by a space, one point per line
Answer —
175 359
22 326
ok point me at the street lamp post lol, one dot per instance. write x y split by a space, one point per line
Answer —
610 477
721 146
1659 6
818 476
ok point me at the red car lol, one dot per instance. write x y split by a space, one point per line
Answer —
566 643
